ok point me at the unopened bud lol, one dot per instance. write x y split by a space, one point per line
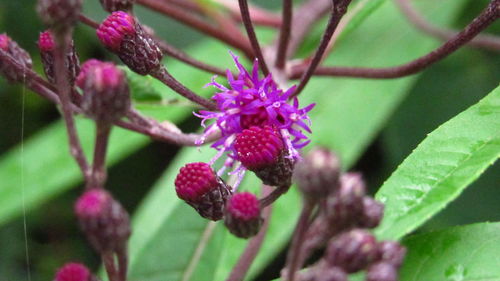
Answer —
122 34
200 187
13 73
106 94
345 207
317 174
382 272
59 14
103 220
117 5
74 272
46 45
242 216
262 151
373 212
391 252
352 251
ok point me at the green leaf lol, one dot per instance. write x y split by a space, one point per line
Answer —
348 115
464 253
441 167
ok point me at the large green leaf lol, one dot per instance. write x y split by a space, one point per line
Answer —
348 115
439 169
464 253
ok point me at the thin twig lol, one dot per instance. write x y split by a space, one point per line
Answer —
197 23
110 266
339 8
122 257
98 176
254 41
63 40
489 42
258 15
164 76
252 249
273 196
284 39
481 22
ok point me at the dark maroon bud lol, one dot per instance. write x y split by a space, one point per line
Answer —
122 34
345 207
242 216
103 220
11 72
59 14
373 212
382 272
46 45
200 187
352 251
117 5
106 94
317 175
74 272
262 151
391 252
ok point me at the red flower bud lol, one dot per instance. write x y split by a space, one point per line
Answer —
73 272
121 34
104 221
13 73
200 187
242 216
262 151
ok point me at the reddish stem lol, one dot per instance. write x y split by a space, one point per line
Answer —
284 39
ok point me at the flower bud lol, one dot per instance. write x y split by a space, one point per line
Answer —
352 251
317 175
373 212
59 14
122 34
200 187
46 45
345 207
242 216
106 94
103 220
262 151
11 72
382 272
391 252
74 272
117 5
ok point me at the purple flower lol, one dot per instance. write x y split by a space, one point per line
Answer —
252 101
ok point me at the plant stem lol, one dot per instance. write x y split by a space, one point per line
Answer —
273 196
247 22
98 177
284 39
252 249
63 39
489 42
297 240
485 19
122 257
110 266
164 76
258 15
338 10
197 23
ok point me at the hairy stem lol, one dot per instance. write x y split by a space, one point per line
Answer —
284 39
338 10
164 76
485 19
63 40
247 21
489 42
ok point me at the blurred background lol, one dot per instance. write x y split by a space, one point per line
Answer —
53 238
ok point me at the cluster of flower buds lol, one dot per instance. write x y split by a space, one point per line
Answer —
47 45
74 272
358 250
106 96
117 5
17 55
122 34
104 221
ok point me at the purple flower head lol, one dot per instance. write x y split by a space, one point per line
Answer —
252 101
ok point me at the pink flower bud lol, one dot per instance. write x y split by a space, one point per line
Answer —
242 216
13 72
73 272
200 187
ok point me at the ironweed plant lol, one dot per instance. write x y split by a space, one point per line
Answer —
256 126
